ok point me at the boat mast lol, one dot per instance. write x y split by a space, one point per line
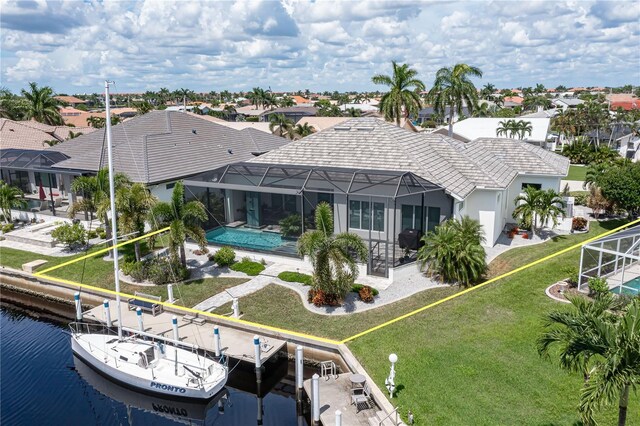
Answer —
112 196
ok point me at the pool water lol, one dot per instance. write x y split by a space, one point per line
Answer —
252 239
633 287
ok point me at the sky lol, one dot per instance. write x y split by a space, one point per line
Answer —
73 46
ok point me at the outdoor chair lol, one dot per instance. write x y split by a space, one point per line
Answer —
361 397
57 202
44 205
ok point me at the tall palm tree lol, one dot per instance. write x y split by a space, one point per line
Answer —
281 126
143 107
303 130
287 102
403 98
184 220
256 96
184 94
73 135
523 128
488 91
163 95
352 112
506 128
11 197
41 105
95 196
229 110
599 339
452 88
483 109
333 256
133 204
454 252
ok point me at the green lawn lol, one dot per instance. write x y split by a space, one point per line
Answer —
577 173
97 272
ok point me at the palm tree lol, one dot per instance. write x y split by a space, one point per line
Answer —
183 218
534 101
454 252
229 110
163 95
11 197
95 196
281 125
599 339
143 107
506 128
50 142
523 128
352 112
550 206
256 96
184 94
95 122
452 88
483 109
488 91
133 204
303 130
333 256
402 99
42 106
526 207
287 102
73 135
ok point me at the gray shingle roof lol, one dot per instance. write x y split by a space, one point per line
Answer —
166 145
459 167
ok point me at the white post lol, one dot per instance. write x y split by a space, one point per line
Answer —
390 381
338 418
76 298
174 324
299 367
139 315
256 347
107 312
170 293
580 269
216 340
315 401
236 308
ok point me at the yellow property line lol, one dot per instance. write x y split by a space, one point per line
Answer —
104 250
492 280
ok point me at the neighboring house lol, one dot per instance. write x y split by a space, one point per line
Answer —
513 100
78 118
72 101
384 183
474 128
429 114
32 134
300 100
161 147
567 103
180 108
364 108
620 137
292 113
546 113
628 105
238 125
321 123
250 111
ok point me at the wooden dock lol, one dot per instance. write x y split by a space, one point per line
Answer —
335 394
235 343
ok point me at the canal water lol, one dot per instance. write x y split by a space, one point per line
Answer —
42 383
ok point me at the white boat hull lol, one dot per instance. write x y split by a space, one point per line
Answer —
147 380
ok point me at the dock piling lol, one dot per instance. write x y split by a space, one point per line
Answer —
107 312
236 307
140 322
256 347
170 293
76 298
299 372
216 340
338 418
174 324
315 399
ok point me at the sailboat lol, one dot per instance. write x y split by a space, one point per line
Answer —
153 364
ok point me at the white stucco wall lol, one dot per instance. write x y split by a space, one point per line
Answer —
161 192
487 207
515 189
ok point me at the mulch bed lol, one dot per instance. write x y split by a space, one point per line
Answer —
561 289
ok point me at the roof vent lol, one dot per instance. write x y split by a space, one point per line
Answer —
364 129
342 128
230 151
194 131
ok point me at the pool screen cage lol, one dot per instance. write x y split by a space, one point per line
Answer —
614 257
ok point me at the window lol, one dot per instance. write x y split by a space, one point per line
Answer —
324 197
459 206
170 185
411 217
360 215
433 218
533 185
43 179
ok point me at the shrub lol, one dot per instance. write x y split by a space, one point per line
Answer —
92 234
581 199
157 270
598 286
572 273
138 271
127 267
224 257
7 228
295 277
525 236
102 235
248 266
578 223
291 225
357 287
320 298
100 230
366 294
70 234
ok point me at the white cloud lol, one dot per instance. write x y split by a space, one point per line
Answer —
320 45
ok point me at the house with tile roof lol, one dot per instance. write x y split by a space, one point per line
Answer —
386 184
72 101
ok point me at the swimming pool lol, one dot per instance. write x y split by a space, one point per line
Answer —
252 239
631 287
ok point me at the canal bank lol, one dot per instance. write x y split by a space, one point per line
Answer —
316 351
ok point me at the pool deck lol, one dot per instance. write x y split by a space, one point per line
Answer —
631 273
235 343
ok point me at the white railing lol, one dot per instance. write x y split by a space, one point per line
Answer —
395 411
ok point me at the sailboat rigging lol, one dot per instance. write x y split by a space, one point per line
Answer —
151 363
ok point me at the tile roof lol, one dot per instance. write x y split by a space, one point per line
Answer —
371 144
31 134
70 99
166 145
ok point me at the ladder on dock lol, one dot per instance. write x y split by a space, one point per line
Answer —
328 369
